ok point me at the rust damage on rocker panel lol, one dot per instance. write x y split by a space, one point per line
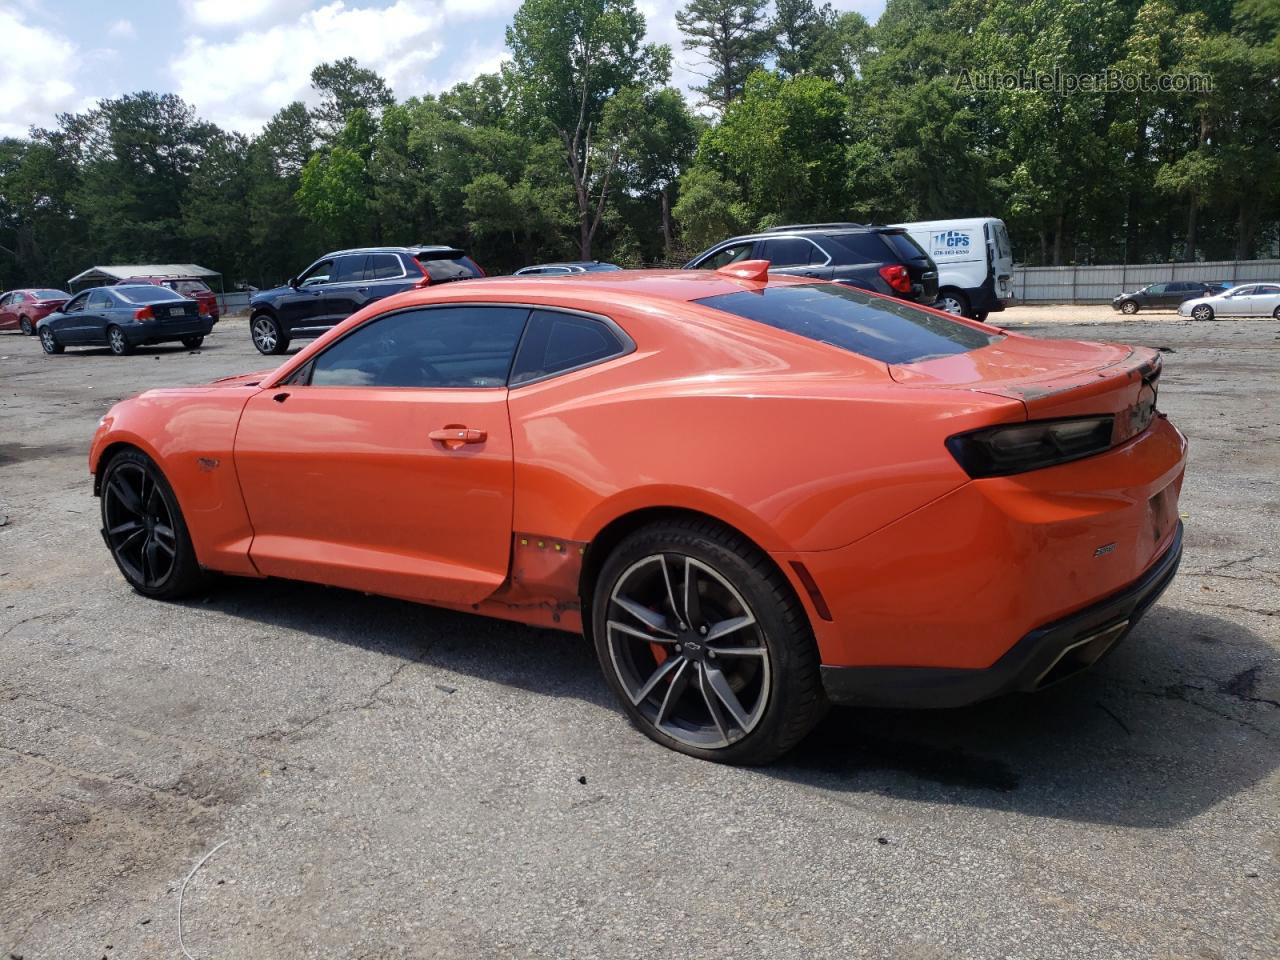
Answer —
542 588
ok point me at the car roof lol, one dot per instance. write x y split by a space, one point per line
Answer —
420 248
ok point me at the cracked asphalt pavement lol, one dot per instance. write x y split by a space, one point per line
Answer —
396 781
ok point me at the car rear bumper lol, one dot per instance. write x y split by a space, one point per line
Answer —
958 582
169 330
1041 658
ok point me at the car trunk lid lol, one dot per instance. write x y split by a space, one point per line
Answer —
1053 378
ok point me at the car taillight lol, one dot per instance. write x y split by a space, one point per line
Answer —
1019 447
426 277
144 313
896 276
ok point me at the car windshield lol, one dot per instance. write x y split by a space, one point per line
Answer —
49 294
882 329
148 293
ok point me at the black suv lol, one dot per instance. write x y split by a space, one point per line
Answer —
340 283
1155 296
881 259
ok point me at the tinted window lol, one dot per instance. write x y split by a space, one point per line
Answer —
722 258
100 300
317 274
383 266
1158 288
903 246
442 268
148 294
441 347
884 330
865 247
561 341
15 298
348 269
791 252
1268 289
603 266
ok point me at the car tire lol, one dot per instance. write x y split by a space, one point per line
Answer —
1129 308
671 669
267 335
1275 314
145 530
1202 312
24 324
953 302
192 343
49 342
118 343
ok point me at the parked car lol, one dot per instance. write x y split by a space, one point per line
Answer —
560 269
755 493
974 260
1158 296
342 282
1246 300
881 259
23 309
192 287
124 318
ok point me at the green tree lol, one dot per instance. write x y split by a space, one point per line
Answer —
799 29
345 87
732 37
569 57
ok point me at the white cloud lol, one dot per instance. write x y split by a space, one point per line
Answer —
121 30
234 13
241 82
35 72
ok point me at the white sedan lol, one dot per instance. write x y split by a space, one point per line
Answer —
1246 300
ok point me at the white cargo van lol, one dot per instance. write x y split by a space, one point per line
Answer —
975 263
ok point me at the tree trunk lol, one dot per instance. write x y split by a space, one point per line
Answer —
1044 247
1057 240
1246 223
668 241
1192 217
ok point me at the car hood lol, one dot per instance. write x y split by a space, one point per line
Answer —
1188 304
243 379
264 295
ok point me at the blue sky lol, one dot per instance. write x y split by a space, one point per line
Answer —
239 61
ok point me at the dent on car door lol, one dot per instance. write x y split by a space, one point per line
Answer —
385 463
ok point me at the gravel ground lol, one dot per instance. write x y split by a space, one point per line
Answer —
393 781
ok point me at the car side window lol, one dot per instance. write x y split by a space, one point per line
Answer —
99 300
556 342
722 258
383 266
1269 289
791 252
319 273
8 299
76 303
348 269
461 346
1158 288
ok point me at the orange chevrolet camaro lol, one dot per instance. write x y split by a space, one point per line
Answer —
755 495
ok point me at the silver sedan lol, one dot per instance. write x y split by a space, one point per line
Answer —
1245 300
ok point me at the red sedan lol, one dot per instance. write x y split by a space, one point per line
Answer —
755 494
191 287
23 309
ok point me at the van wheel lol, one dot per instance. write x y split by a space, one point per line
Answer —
953 302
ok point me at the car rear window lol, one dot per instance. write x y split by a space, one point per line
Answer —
49 294
885 330
442 267
148 294
190 286
904 246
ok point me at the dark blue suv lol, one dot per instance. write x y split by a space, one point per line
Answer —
340 283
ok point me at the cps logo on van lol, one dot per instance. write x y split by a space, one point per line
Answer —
950 243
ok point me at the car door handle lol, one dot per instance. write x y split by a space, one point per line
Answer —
454 437
362 289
